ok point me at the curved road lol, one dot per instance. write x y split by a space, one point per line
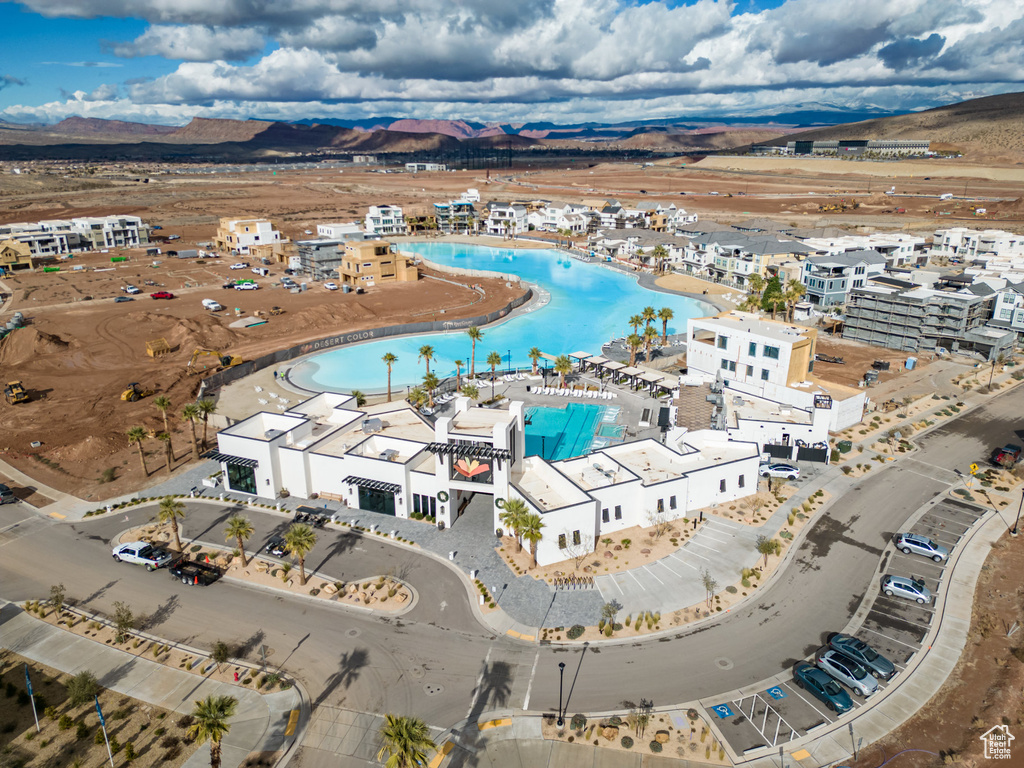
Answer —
438 662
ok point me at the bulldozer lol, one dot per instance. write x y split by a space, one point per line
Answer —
276 311
134 392
15 393
211 359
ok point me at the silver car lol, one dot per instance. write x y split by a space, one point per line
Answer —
912 544
911 589
848 672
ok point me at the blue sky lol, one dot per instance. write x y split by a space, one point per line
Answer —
491 60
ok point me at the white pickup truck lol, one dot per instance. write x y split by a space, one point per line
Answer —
143 553
130 289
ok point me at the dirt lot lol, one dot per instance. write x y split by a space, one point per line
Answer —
156 735
985 688
858 358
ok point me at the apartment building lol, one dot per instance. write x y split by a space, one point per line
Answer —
383 220
368 262
111 232
901 315
56 237
244 237
455 217
898 248
425 167
320 259
505 219
341 230
829 279
964 244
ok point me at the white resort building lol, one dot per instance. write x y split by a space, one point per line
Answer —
390 459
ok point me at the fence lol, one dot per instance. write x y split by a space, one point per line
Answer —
221 378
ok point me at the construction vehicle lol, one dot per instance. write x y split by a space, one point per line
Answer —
276 311
134 392
159 348
15 393
210 359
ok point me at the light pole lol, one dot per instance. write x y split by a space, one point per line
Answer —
1013 531
510 361
561 673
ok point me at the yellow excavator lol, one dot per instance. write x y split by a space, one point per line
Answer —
210 359
15 393
134 392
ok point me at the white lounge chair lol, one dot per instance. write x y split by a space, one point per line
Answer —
258 389
263 401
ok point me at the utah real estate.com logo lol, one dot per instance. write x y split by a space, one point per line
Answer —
997 742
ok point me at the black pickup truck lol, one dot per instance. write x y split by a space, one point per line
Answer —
195 574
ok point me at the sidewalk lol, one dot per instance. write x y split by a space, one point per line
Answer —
260 724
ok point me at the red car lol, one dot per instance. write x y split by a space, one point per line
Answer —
162 295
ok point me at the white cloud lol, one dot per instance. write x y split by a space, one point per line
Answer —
193 43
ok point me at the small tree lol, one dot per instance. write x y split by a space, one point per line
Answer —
471 391
81 688
577 551
659 522
189 414
766 547
210 723
610 610
124 621
57 598
710 586
220 653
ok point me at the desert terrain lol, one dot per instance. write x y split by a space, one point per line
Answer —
81 349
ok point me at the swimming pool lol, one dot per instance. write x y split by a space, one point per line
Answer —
589 306
561 433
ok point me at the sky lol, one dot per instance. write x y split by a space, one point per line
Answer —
564 61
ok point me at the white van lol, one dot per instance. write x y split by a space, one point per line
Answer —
261 271
212 305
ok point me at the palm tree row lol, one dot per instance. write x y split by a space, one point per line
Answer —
523 524
190 414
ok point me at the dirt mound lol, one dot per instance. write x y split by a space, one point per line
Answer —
187 333
26 344
205 129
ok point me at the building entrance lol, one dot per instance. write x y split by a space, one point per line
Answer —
374 500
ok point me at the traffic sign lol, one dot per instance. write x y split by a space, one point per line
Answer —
974 469
776 693
723 711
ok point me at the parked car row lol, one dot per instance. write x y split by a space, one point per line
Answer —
153 558
845 660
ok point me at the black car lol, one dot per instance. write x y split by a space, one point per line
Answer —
276 547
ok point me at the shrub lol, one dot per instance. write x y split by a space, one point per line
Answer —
626 742
159 732
50 712
65 722
81 731
220 652
575 631
655 746
578 722
129 752
98 738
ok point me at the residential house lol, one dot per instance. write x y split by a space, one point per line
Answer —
111 231
383 220
368 262
960 244
828 279
244 237
341 230
898 248
455 217
320 259
505 219
15 256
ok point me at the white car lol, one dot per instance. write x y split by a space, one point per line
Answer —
143 553
787 471
848 672
130 289
246 286
239 265
331 286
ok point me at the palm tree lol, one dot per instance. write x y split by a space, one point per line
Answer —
389 360
471 391
531 531
406 741
299 540
563 367
189 414
207 408
665 314
165 438
430 383
239 528
660 256
494 360
210 723
756 283
164 405
427 354
360 398
649 315
169 512
475 334
417 396
535 355
795 291
135 437
513 516
650 334
458 374
639 254
635 322
634 342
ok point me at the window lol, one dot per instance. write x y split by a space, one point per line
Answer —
604 515
742 482
771 352
618 512
576 537
764 374
752 349
729 365
671 502
241 478
723 342
721 485
561 541
750 370
661 505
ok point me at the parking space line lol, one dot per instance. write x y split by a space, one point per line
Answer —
696 555
647 570
796 692
709 535
918 560
935 514
613 581
889 637
675 557
633 576
694 542
768 709
923 628
665 565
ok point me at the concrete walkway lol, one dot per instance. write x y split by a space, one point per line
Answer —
259 724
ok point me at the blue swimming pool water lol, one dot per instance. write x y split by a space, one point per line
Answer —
589 306
561 433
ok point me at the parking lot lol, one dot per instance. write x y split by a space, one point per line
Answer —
894 627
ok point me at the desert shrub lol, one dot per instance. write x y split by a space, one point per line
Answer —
65 722
129 752
655 746
81 731
575 631
578 722
626 742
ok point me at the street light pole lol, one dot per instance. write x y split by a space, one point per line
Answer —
510 361
1013 531
561 673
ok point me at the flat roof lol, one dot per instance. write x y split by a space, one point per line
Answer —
546 487
264 425
594 471
479 421
580 355
747 323
614 366
403 423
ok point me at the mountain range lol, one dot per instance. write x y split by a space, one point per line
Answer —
990 123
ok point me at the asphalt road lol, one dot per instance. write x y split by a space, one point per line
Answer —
439 663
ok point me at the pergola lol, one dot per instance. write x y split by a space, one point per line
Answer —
470 450
227 458
373 485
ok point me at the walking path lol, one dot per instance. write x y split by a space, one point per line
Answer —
261 723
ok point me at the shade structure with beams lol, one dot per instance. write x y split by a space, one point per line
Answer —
227 458
373 485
